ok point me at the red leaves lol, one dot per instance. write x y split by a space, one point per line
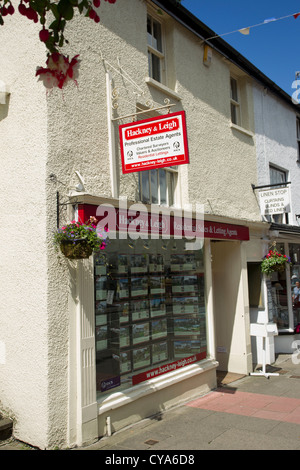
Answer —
29 12
44 35
58 71
93 15
4 11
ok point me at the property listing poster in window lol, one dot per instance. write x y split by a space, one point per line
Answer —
122 266
159 352
158 307
156 263
140 309
186 348
139 264
139 286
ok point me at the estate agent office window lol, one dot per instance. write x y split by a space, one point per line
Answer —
284 304
149 311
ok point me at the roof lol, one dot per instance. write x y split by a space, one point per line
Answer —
191 22
284 228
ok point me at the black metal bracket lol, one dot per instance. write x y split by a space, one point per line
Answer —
59 204
270 185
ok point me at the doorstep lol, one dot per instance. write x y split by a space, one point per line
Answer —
225 378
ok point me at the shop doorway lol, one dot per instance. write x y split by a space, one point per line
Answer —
230 303
258 310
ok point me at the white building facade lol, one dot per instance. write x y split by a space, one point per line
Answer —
277 145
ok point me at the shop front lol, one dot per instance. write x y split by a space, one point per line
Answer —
153 313
283 289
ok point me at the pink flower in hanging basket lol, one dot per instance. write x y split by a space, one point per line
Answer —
274 261
59 71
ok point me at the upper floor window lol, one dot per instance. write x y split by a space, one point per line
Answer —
278 175
298 139
235 102
159 186
155 49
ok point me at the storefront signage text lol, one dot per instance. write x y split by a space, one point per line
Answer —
154 143
110 383
151 374
274 201
136 222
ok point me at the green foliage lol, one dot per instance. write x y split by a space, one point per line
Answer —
274 261
76 231
61 11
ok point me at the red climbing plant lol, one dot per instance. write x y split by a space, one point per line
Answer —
53 17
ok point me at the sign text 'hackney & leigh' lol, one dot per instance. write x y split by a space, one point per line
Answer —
164 225
154 143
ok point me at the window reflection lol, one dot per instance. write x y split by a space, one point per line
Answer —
145 186
158 186
155 51
278 296
162 187
154 187
294 252
283 300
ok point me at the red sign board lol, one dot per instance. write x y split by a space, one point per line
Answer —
163 369
121 220
154 143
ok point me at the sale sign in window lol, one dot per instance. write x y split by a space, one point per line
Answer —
154 143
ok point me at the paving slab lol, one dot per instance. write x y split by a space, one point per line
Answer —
243 413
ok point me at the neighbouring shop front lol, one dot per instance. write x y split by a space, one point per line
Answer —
283 292
153 313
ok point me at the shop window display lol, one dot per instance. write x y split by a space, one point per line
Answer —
278 296
149 311
283 297
294 252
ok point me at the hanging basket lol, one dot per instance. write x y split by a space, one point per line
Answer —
274 261
79 249
279 268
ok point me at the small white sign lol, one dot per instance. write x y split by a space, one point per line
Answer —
274 201
110 297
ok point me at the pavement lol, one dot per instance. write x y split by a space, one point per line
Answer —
243 413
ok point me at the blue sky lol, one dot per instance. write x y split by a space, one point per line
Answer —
274 47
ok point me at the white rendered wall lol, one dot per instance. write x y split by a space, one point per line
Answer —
276 142
23 250
222 159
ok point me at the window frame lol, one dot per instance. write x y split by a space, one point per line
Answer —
281 171
279 218
235 104
298 137
172 174
152 51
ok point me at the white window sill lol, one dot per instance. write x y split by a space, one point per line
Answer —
115 400
241 129
163 88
